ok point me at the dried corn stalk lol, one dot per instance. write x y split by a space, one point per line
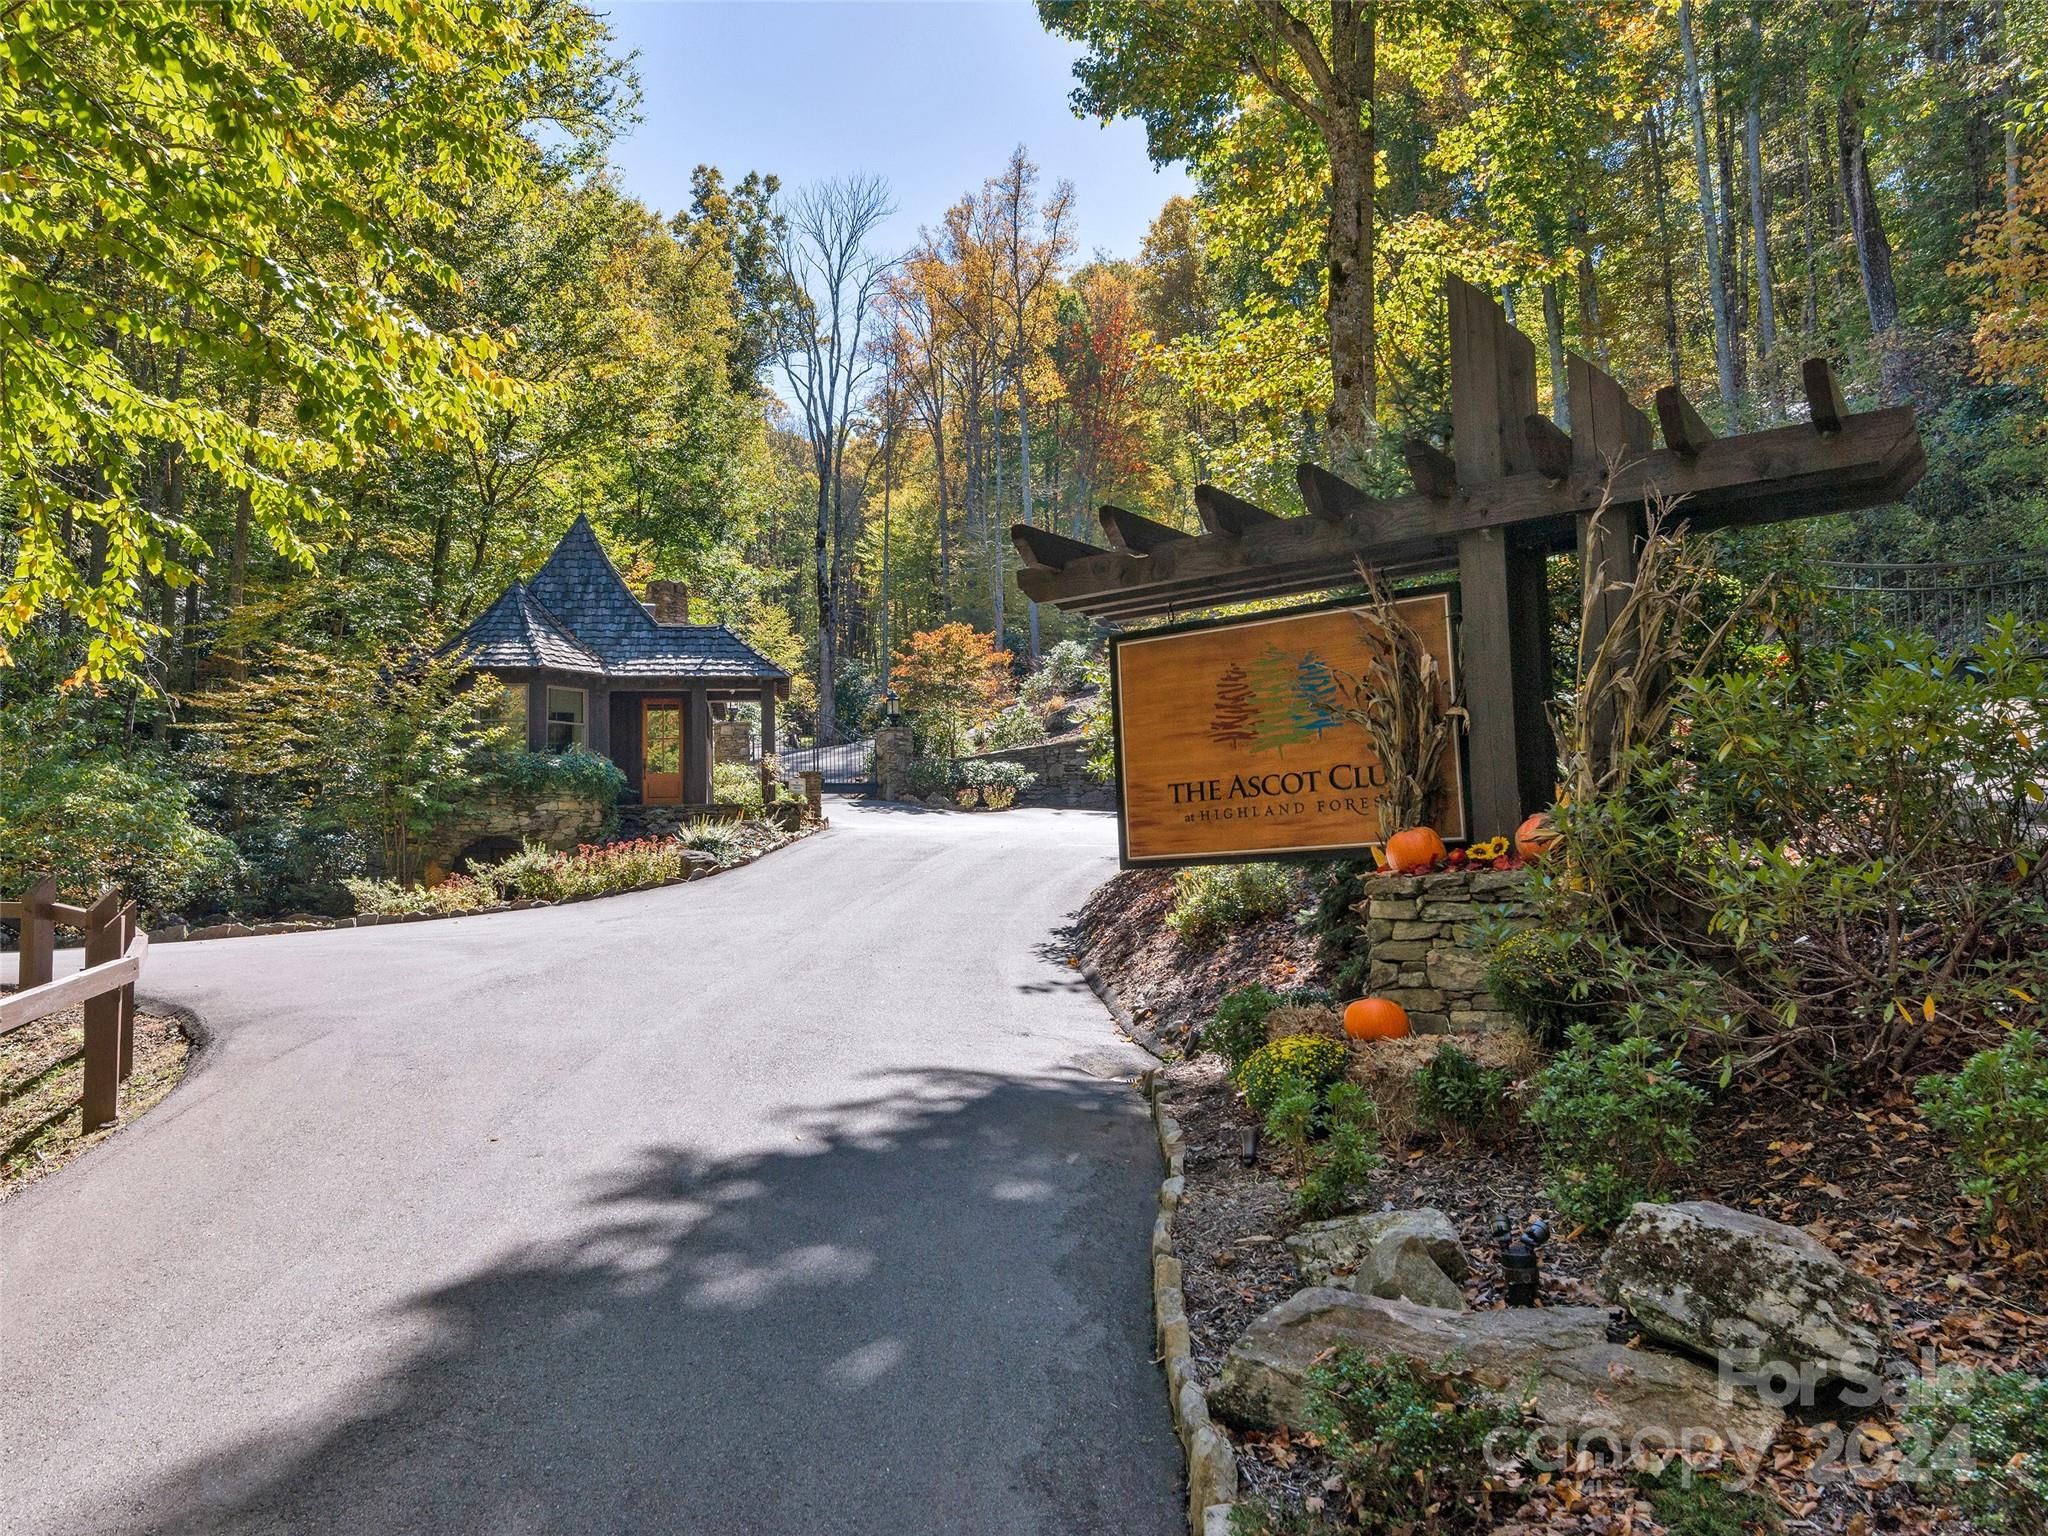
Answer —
1400 699
1629 684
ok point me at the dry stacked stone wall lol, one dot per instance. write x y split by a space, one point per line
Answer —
558 822
1057 764
1426 953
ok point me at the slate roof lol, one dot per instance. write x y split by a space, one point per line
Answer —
576 614
516 631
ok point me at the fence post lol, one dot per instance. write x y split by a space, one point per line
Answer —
101 1100
38 934
127 931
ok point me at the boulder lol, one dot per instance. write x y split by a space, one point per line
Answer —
1750 1292
1411 1254
1558 1360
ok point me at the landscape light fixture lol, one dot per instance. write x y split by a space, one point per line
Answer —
1520 1275
895 715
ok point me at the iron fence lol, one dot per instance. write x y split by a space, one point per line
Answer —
1952 600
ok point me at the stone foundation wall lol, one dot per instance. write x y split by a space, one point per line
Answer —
1425 947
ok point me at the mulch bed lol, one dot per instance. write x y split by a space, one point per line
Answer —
1870 1180
1121 931
42 1067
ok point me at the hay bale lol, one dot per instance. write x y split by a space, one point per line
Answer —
1386 1070
1305 1019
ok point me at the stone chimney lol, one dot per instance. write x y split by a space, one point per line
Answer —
669 601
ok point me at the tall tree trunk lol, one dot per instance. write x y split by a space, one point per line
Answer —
1591 335
821 577
1759 213
1717 284
1024 482
995 517
1810 320
1731 247
1866 227
1351 246
888 476
189 631
945 515
1653 143
2012 135
437 565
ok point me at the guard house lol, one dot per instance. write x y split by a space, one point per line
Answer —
634 681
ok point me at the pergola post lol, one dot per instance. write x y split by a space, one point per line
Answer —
767 743
1504 613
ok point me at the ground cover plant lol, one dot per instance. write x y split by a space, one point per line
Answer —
1995 1111
1617 1125
1210 900
1410 1453
1984 1439
1690 1502
1455 1095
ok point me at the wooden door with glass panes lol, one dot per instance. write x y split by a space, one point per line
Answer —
661 751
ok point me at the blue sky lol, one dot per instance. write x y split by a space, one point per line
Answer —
933 96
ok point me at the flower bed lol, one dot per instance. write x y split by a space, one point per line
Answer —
594 869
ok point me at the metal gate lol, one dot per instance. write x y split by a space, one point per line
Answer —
845 765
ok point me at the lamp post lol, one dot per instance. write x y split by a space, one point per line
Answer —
890 702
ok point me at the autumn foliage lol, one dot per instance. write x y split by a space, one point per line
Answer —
949 680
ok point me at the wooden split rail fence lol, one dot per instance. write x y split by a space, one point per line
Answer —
114 947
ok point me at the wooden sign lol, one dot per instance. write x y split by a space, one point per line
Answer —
1233 741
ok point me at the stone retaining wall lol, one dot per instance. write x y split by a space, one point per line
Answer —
1426 956
1057 763
558 822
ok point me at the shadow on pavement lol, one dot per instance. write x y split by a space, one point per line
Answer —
928 1312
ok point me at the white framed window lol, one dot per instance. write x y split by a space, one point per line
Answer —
567 709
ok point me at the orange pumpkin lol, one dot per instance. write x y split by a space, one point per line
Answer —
1376 1018
1417 848
1536 836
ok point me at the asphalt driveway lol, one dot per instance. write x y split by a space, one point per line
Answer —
812 1198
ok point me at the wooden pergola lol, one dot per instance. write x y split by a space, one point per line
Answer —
1513 490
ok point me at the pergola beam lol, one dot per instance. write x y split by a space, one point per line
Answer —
1824 406
1549 445
1228 516
1685 430
1329 498
1873 459
1053 551
1134 534
1434 472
